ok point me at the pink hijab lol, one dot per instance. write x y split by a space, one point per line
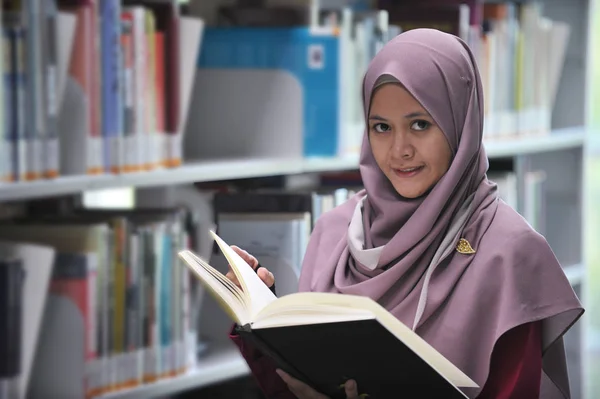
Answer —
403 253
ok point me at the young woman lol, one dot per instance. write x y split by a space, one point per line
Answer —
429 238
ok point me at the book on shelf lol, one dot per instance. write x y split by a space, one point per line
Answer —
94 87
116 299
324 339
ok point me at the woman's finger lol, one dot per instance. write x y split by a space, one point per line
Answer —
351 389
249 259
266 276
298 388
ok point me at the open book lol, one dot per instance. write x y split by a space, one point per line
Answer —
324 339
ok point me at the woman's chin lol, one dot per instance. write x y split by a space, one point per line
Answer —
413 188
410 193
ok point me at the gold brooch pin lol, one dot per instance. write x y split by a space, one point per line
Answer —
464 247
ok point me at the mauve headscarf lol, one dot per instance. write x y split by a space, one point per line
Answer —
402 252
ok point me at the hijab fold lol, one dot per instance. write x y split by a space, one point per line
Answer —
402 252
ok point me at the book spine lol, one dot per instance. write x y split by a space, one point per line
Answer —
139 85
188 344
9 106
151 160
160 103
104 300
129 115
96 82
173 76
157 300
112 91
34 121
165 302
51 145
110 373
149 315
132 319
18 37
176 300
120 287
91 324
141 304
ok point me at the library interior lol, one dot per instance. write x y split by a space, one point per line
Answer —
251 117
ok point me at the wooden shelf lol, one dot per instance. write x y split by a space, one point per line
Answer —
249 168
217 365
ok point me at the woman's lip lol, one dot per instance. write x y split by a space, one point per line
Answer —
407 172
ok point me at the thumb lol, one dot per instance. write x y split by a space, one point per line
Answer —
351 389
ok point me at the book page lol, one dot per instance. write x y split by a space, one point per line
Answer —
226 296
257 292
296 315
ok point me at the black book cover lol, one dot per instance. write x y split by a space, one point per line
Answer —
326 355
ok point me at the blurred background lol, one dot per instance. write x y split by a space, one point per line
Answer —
131 127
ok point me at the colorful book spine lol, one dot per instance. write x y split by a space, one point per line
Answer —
112 90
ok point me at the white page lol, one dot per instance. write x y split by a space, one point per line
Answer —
260 295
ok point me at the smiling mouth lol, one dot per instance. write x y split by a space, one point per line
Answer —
408 172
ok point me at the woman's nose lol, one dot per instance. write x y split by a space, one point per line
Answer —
402 146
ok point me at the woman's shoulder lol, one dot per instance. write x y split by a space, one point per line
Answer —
512 247
510 231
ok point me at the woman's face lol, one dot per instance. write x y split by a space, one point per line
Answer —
410 149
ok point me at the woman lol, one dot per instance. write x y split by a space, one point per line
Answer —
430 240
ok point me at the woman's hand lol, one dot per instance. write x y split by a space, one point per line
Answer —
265 275
303 391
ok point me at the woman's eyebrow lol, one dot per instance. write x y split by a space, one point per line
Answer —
415 114
407 116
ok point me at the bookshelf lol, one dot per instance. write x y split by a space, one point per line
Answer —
216 170
220 364
558 153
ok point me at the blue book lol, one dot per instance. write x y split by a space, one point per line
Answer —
112 82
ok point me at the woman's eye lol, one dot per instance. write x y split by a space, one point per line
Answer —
420 125
381 127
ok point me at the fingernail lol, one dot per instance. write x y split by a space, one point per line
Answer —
350 384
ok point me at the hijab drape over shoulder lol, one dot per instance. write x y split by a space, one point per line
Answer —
403 252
